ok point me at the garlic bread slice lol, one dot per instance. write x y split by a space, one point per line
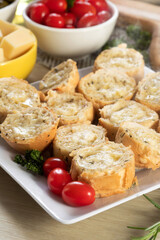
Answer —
70 107
64 77
121 58
75 136
33 128
108 167
144 142
122 111
106 87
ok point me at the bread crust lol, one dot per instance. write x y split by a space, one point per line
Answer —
70 107
17 95
75 136
122 111
106 87
106 178
13 132
149 90
121 58
144 142
64 77
158 127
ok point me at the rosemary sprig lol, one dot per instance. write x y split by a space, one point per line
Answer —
152 230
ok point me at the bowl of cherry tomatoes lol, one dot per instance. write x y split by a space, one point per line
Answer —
71 28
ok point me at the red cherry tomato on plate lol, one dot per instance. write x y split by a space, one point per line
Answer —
88 20
55 20
52 163
57 179
78 194
56 6
103 16
38 11
69 18
81 8
99 5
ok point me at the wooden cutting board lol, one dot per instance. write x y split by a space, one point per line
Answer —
148 16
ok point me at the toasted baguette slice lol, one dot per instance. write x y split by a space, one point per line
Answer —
149 91
123 111
108 167
106 87
70 107
16 95
75 136
33 128
63 77
121 58
144 142
158 127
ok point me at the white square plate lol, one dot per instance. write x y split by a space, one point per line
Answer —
36 186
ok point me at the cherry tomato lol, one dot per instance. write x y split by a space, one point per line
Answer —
52 163
38 11
57 179
55 20
81 8
69 18
103 16
88 20
99 5
78 194
56 6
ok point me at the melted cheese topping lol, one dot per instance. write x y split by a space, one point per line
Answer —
79 135
16 95
142 134
27 124
122 58
107 86
110 156
146 136
149 89
132 111
67 105
59 74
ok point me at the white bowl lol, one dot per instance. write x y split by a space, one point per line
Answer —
7 13
72 42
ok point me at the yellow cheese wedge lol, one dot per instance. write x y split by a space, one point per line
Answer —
6 27
17 43
2 58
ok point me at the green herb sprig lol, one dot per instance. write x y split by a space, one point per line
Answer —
142 38
152 230
32 161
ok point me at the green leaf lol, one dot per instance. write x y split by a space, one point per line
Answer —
32 161
153 226
112 43
151 201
